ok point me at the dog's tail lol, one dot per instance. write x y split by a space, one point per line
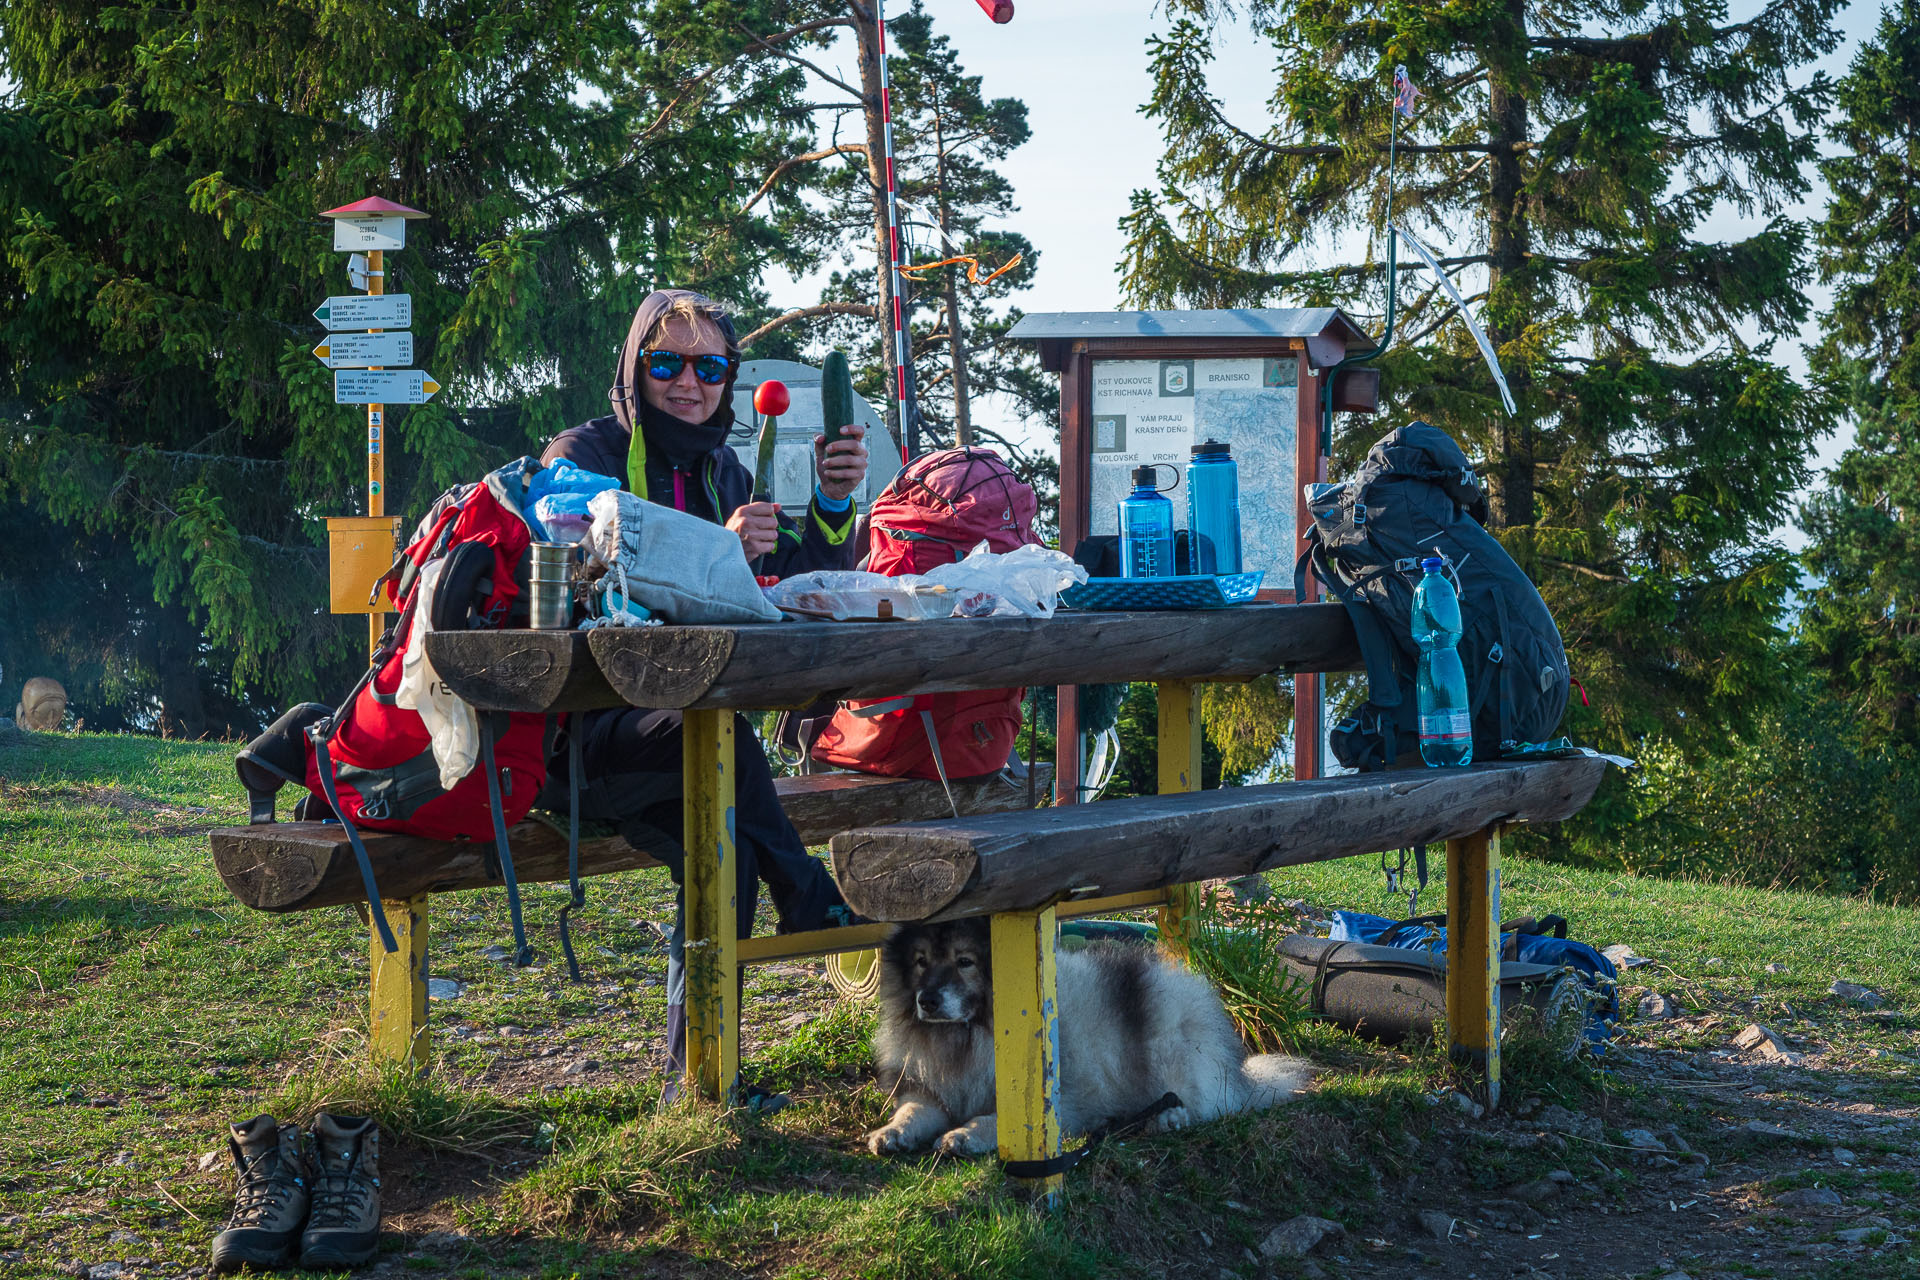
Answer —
1274 1078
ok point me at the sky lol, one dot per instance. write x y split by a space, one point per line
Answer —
1081 68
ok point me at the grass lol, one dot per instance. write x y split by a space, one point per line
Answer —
142 1009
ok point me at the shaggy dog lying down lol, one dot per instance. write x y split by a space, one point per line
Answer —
1132 1025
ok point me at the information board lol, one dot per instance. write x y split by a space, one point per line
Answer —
1154 411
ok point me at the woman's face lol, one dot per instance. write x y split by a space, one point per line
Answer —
684 396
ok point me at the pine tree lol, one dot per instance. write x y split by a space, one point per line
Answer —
167 443
1566 155
1862 620
947 139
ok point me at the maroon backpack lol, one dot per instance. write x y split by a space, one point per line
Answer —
937 509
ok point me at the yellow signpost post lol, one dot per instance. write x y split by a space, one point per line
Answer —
362 547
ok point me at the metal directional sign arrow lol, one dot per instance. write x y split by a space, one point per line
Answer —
361 350
362 311
382 386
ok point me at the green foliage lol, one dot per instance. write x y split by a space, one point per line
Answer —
1798 800
1564 161
1237 948
1862 619
167 445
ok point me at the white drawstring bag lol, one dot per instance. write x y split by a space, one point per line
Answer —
682 568
451 723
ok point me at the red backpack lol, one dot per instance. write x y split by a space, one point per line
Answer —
937 509
370 763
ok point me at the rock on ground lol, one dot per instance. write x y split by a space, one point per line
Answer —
1298 1237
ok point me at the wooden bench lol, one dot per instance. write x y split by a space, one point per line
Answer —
298 866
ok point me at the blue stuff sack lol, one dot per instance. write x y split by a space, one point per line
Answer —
1525 940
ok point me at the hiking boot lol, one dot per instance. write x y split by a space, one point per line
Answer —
343 1229
270 1204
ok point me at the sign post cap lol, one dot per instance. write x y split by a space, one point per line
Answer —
374 207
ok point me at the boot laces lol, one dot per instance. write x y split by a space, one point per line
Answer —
262 1195
340 1194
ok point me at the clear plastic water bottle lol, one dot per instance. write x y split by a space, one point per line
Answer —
1146 529
1213 508
1446 726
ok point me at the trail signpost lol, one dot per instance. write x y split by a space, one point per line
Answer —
362 348
365 351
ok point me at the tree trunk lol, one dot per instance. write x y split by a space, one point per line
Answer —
1510 289
869 47
183 706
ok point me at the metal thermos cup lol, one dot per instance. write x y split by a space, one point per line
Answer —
549 590
1213 508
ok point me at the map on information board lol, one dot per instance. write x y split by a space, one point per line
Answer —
1148 411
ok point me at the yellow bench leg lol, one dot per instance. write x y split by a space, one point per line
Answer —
1179 742
712 905
1026 1045
1473 959
399 986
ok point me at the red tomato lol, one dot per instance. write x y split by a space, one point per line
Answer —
770 399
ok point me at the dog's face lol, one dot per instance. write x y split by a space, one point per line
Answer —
941 973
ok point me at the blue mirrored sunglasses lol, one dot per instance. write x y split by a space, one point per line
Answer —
665 366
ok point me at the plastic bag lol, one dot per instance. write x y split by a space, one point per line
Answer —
1026 581
557 497
839 594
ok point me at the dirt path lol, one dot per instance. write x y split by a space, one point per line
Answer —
1708 1163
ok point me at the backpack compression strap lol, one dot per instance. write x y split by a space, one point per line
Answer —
321 732
579 898
522 953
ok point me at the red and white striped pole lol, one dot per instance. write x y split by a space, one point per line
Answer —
893 230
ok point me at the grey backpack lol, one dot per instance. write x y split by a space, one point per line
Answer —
1416 495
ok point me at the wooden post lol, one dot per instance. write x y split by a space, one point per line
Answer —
398 1023
1026 1045
1180 737
1473 954
712 906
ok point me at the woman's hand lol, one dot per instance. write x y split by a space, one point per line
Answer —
841 465
758 524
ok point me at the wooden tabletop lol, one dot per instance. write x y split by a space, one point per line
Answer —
789 664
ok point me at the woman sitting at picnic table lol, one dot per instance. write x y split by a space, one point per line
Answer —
666 441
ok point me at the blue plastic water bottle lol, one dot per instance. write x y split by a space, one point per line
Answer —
1146 529
1446 726
1213 508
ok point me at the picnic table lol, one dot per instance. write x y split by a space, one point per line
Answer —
1026 868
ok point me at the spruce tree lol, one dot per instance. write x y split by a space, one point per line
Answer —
1862 620
1563 160
168 445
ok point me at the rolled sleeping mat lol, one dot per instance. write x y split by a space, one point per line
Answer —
1389 994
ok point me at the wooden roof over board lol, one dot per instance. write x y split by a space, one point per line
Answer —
1329 332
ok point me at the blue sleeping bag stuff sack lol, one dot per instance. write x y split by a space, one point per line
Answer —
1526 941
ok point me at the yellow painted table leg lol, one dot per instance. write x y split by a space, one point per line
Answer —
1026 1044
1179 771
1473 954
399 985
712 904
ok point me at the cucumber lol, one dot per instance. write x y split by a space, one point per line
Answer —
836 394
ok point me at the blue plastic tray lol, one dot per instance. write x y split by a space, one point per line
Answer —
1189 591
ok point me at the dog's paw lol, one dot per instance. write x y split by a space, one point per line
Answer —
1174 1118
889 1141
966 1141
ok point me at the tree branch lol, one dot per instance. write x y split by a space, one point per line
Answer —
1582 569
831 79
791 162
864 310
